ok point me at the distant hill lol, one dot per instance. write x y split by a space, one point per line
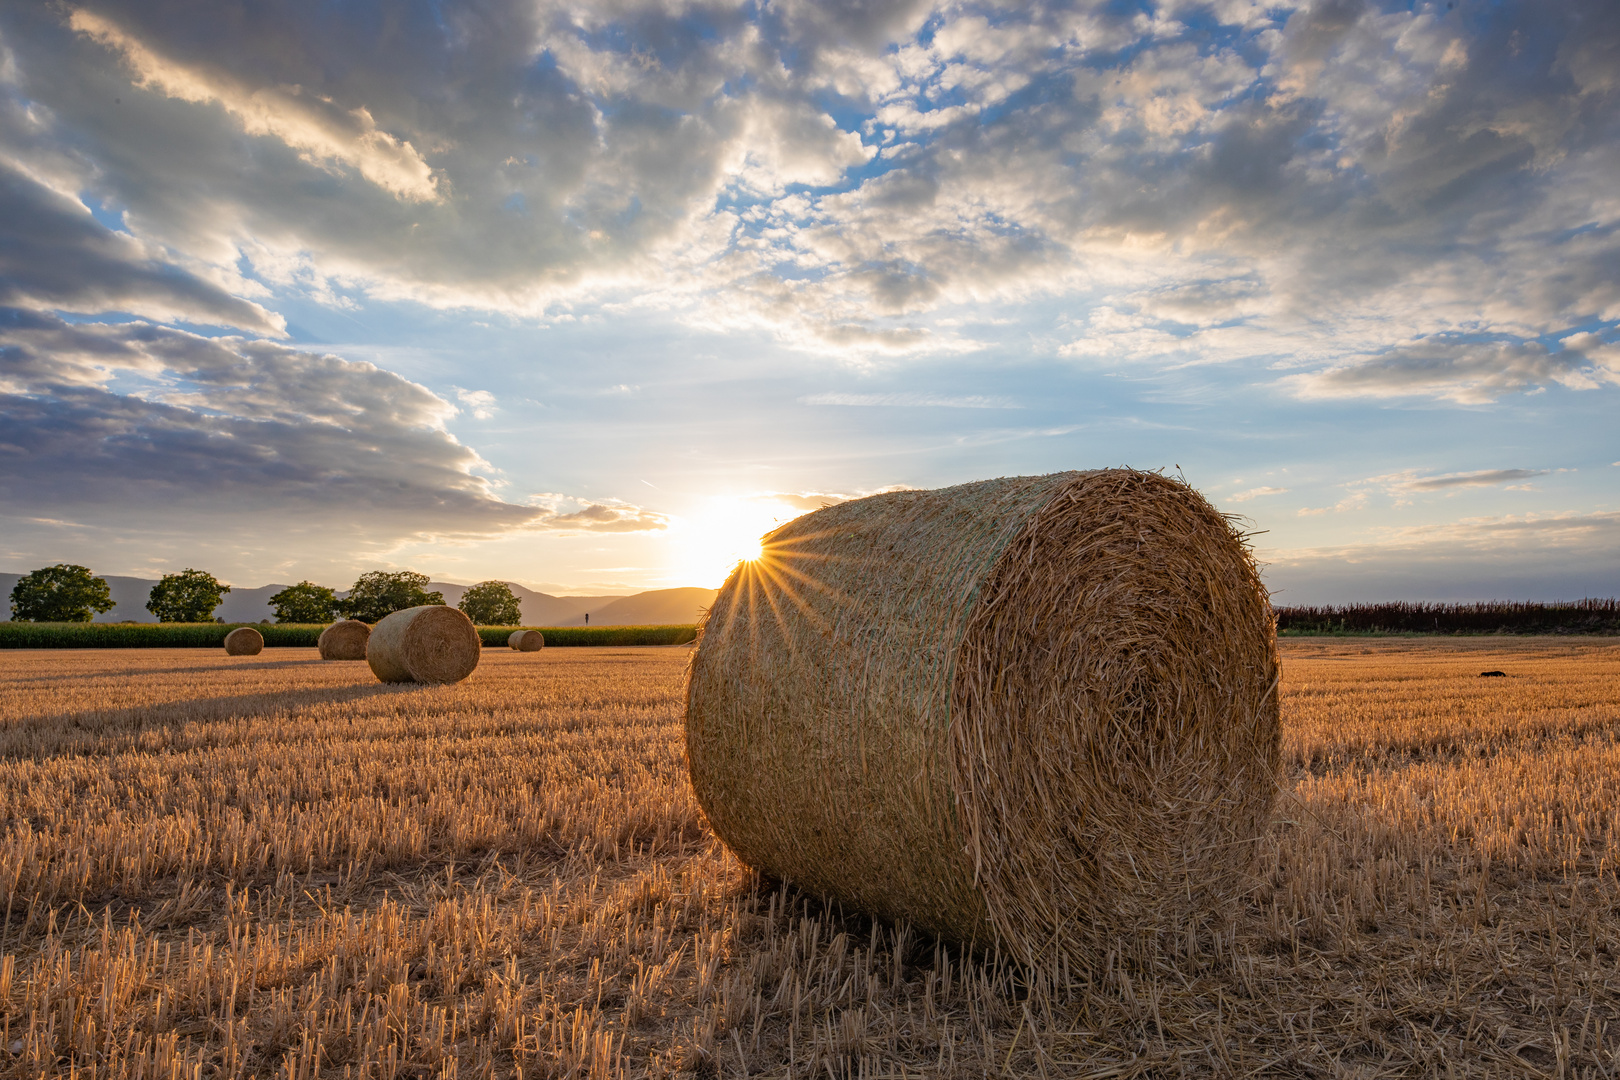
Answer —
539 609
658 607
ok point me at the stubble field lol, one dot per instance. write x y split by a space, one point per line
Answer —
275 866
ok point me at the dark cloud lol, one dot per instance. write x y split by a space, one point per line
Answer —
162 429
55 255
1469 371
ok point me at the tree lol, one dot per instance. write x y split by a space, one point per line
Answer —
491 603
380 593
60 593
189 596
305 602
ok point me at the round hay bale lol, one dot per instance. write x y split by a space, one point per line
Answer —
526 640
243 641
344 640
1034 711
428 644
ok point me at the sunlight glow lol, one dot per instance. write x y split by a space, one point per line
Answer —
723 533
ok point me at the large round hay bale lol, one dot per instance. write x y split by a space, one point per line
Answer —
526 640
1035 711
344 640
428 644
243 641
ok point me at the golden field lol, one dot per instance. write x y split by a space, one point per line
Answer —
271 865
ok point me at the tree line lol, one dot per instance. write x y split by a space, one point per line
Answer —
70 593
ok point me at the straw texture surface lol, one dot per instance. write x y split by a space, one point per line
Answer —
344 640
428 644
243 641
526 640
1034 711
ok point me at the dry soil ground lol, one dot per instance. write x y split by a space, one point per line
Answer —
272 865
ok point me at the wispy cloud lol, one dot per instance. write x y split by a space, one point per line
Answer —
1482 478
481 403
1468 372
568 513
912 401
1401 486
1256 493
1500 535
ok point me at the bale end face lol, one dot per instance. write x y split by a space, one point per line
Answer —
344 640
526 640
428 644
243 641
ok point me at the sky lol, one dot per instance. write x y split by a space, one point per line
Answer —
586 297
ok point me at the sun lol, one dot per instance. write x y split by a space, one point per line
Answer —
725 531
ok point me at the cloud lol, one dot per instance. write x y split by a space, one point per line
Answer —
911 400
1354 189
1356 500
56 255
1470 372
160 430
1403 485
481 403
1256 493
1518 536
1531 556
321 132
1483 478
595 517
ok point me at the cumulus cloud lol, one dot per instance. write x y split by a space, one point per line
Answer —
481 403
1352 186
320 131
161 429
566 513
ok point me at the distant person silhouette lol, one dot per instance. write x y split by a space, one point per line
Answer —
587 618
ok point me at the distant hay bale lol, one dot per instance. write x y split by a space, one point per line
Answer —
526 640
1034 711
428 644
243 641
344 640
